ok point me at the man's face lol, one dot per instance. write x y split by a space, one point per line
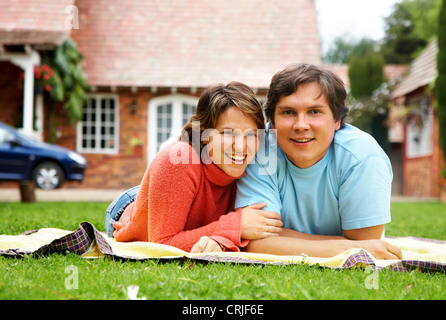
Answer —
305 125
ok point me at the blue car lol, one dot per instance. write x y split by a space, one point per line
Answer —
22 158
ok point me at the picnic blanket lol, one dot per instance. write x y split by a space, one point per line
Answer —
426 255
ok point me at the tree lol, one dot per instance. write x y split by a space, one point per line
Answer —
365 69
409 28
440 84
368 91
340 50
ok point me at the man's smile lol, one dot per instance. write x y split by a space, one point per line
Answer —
301 141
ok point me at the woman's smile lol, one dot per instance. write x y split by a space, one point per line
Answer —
234 142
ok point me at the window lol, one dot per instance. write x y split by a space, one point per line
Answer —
419 129
5 137
167 116
97 132
164 123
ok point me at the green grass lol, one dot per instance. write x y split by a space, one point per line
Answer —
49 277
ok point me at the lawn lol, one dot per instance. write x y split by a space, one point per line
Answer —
52 278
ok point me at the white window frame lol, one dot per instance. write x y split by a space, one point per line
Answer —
177 101
419 142
97 149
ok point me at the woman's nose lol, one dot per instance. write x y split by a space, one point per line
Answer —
239 144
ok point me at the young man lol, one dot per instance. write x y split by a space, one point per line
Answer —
328 180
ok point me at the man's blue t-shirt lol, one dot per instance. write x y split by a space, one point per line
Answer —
348 189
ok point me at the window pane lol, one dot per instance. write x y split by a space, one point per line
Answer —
188 112
97 129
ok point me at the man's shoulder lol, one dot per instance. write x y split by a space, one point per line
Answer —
356 143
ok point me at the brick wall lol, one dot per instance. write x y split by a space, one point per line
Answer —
422 175
112 171
125 169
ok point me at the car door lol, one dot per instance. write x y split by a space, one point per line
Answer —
14 157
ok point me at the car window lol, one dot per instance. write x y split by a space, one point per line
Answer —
5 137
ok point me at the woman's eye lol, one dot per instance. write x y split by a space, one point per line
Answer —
228 133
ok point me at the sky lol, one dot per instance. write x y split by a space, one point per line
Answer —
352 18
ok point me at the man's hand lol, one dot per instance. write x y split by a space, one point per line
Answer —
258 223
206 244
381 250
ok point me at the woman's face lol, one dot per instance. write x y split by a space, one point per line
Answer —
233 143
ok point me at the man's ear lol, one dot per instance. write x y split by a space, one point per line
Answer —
337 125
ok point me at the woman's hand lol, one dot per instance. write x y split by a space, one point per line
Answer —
206 244
258 223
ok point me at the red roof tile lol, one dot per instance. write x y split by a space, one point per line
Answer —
194 43
422 72
33 22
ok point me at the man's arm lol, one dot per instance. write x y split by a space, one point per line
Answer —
374 232
322 248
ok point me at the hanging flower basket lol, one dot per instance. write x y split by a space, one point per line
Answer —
43 77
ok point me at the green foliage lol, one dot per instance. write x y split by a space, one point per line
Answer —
365 73
370 114
368 91
69 84
440 85
340 50
409 28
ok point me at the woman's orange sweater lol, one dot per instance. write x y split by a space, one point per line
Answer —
178 203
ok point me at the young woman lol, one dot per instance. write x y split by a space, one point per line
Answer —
187 195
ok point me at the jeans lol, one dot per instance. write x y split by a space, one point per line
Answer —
117 207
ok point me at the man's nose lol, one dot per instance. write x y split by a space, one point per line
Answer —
301 123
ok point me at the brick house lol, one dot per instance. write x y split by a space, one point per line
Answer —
148 62
25 28
416 154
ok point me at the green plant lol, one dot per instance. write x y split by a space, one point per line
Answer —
440 84
365 73
65 79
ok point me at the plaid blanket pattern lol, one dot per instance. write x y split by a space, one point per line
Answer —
83 238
